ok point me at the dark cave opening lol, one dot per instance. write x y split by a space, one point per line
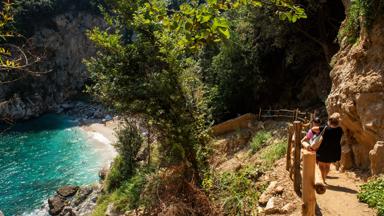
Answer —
307 83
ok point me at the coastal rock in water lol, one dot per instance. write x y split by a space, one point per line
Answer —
87 206
358 93
67 191
56 204
103 173
67 211
82 194
377 159
77 201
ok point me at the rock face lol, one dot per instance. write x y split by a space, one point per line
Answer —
377 159
358 94
63 45
73 200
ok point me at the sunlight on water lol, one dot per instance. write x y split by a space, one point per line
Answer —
39 156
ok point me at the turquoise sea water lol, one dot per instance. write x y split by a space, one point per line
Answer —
39 156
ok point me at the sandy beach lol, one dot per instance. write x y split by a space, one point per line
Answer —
102 136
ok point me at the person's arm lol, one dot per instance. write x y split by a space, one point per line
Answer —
316 129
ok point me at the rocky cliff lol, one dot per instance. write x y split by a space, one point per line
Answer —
358 94
64 45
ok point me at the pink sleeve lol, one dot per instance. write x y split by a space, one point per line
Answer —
309 134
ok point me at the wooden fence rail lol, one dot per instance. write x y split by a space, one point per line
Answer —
306 181
293 115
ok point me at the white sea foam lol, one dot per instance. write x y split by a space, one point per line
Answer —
101 138
43 211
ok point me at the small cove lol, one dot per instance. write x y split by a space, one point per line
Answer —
41 155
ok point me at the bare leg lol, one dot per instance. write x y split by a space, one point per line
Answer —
327 168
323 171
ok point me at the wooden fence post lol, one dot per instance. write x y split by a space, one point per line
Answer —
289 148
297 114
296 163
308 195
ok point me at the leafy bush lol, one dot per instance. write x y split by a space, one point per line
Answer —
125 198
237 192
372 193
259 140
128 145
273 152
361 15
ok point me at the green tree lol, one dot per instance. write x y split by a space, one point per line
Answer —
147 67
141 75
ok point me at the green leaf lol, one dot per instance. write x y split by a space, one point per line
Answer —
225 32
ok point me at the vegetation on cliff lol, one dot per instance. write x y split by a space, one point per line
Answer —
148 68
360 16
172 69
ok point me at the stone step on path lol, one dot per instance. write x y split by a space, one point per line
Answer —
340 199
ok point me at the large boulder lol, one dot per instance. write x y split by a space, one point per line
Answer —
358 94
67 191
56 204
82 194
73 200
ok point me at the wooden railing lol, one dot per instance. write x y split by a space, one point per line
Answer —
291 115
301 164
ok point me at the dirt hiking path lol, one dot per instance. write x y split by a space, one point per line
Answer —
341 197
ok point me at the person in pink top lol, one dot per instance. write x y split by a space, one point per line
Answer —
310 134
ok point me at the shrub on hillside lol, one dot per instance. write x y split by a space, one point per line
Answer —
126 197
236 192
272 153
259 140
128 146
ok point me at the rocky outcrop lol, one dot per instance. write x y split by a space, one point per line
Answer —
74 201
377 159
63 45
67 191
56 204
358 94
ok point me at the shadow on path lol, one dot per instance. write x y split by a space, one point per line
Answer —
318 211
341 189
